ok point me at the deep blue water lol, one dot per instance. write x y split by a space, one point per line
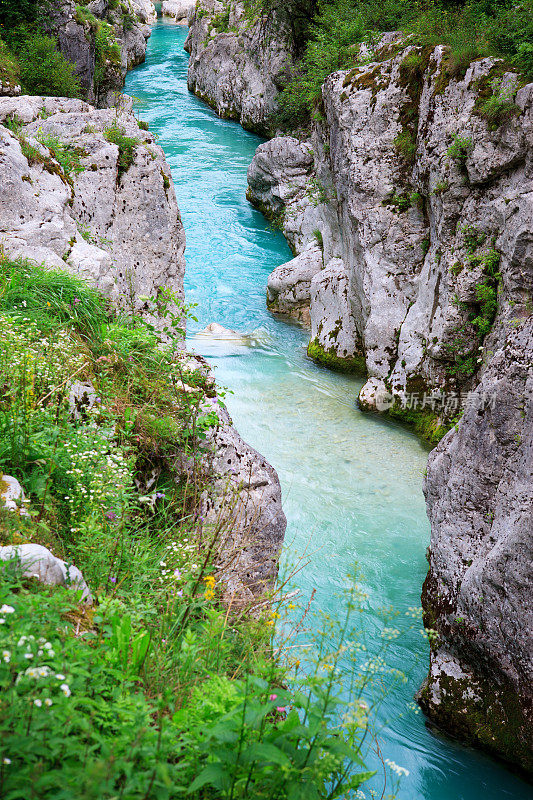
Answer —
352 484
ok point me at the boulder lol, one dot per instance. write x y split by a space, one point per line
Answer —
36 561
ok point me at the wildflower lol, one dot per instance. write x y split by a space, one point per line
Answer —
291 606
60 677
6 655
209 594
210 581
396 768
2 620
48 702
28 655
177 574
6 761
65 688
38 703
180 593
76 300
272 697
7 609
281 709
111 515
160 495
113 579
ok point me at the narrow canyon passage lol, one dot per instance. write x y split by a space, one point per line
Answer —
352 483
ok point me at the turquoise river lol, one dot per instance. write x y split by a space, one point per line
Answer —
352 484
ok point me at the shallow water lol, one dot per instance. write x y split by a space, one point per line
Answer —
351 483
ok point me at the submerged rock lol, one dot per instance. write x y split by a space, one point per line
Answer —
36 561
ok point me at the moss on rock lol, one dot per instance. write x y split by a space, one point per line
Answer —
329 358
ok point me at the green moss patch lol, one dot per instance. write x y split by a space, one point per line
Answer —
329 358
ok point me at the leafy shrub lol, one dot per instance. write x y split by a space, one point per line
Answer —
460 148
126 146
43 70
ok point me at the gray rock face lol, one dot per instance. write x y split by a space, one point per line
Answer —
289 286
417 237
479 492
36 561
237 66
102 75
244 502
178 10
121 231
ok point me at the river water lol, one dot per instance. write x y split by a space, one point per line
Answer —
352 484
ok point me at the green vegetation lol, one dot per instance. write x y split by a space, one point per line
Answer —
336 28
43 70
330 359
68 156
468 338
126 146
162 688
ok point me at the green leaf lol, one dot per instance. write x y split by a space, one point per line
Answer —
265 752
213 775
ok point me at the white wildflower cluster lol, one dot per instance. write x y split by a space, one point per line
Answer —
33 363
400 771
39 678
414 611
356 714
178 560
100 468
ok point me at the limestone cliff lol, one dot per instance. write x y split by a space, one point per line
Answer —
103 40
118 227
238 65
113 219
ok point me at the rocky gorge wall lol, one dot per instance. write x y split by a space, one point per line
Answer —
410 214
237 66
116 223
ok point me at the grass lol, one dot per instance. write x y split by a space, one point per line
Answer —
164 688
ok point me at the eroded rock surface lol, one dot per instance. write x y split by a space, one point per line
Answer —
247 496
120 229
420 232
126 27
179 10
237 66
479 492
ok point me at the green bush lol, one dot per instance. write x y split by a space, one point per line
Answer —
43 70
67 155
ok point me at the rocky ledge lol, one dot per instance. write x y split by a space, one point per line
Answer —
110 215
